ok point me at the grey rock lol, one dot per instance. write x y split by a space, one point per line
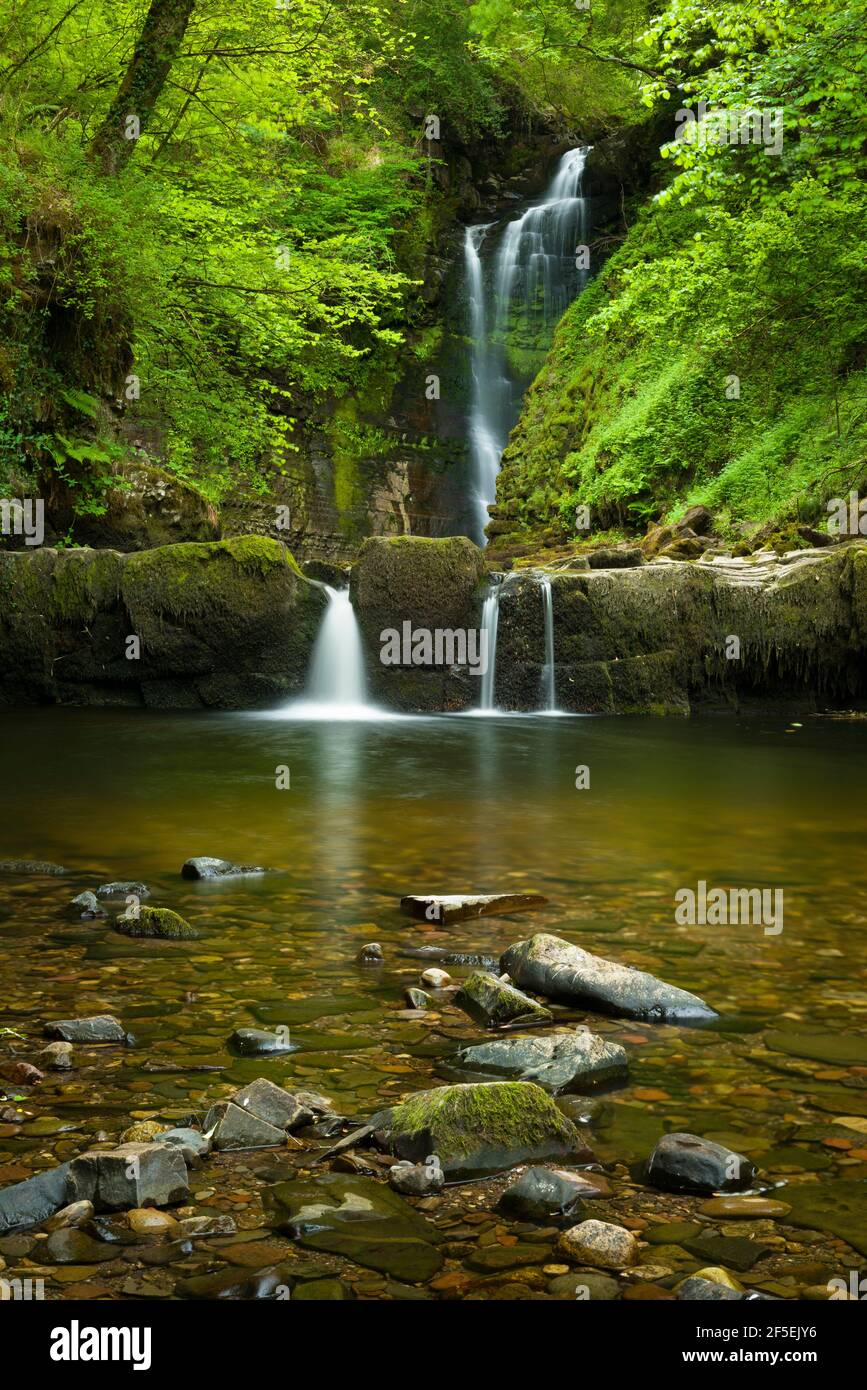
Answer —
56 1056
492 1002
33 1201
256 1042
203 866
705 1291
86 905
312 1100
132 1175
272 1104
416 1179
550 966
416 998
609 559
687 1163
197 1227
577 1062
230 1127
370 954
98 1028
193 1144
544 1194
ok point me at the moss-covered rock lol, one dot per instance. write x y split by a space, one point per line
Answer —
227 624
482 1128
155 921
430 584
148 507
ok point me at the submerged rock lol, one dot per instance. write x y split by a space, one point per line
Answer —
158 922
193 1145
687 1163
370 954
86 905
550 966
482 1128
492 1002
123 888
706 1291
545 1194
358 1218
142 1132
57 1056
20 1073
256 1042
99 1028
132 1175
31 866
457 907
580 1062
203 866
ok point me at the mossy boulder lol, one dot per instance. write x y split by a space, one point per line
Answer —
481 1128
148 507
155 922
430 584
227 624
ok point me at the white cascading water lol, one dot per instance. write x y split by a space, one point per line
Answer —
490 619
336 685
549 688
532 266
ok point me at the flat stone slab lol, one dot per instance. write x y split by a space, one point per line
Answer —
457 907
31 1202
272 1104
99 1028
556 969
359 1218
132 1175
577 1063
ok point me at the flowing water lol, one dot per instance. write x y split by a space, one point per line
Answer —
376 810
520 276
549 671
336 686
490 623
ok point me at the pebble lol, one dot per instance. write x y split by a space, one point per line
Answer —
600 1244
436 979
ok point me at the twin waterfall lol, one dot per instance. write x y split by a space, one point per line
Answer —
521 276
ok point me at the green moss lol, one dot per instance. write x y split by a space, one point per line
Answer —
194 577
156 922
501 1113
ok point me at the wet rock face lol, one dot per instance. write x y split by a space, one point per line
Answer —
358 1218
560 1063
552 967
482 1128
492 1003
686 1163
228 624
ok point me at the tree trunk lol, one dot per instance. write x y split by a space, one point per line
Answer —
155 51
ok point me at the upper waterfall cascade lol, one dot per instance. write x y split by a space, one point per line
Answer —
521 275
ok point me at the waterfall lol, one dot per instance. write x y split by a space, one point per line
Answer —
490 621
549 692
520 278
336 684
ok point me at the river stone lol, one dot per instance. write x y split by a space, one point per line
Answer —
123 888
490 1259
192 1143
21 1073
706 1291
271 1103
158 922
550 966
840 1049
359 1218
544 1194
86 905
256 1042
585 1286
203 866
416 1179
457 907
73 1247
30 866
197 1227
33 1201
132 1175
370 954
491 1002
575 1062
74 1215
734 1208
99 1028
600 1244
148 1221
482 1127
234 1128
416 998
686 1163
142 1132
57 1055
838 1207
739 1252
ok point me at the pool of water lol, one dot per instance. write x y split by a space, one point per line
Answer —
445 804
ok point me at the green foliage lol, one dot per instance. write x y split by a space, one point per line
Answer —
720 357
